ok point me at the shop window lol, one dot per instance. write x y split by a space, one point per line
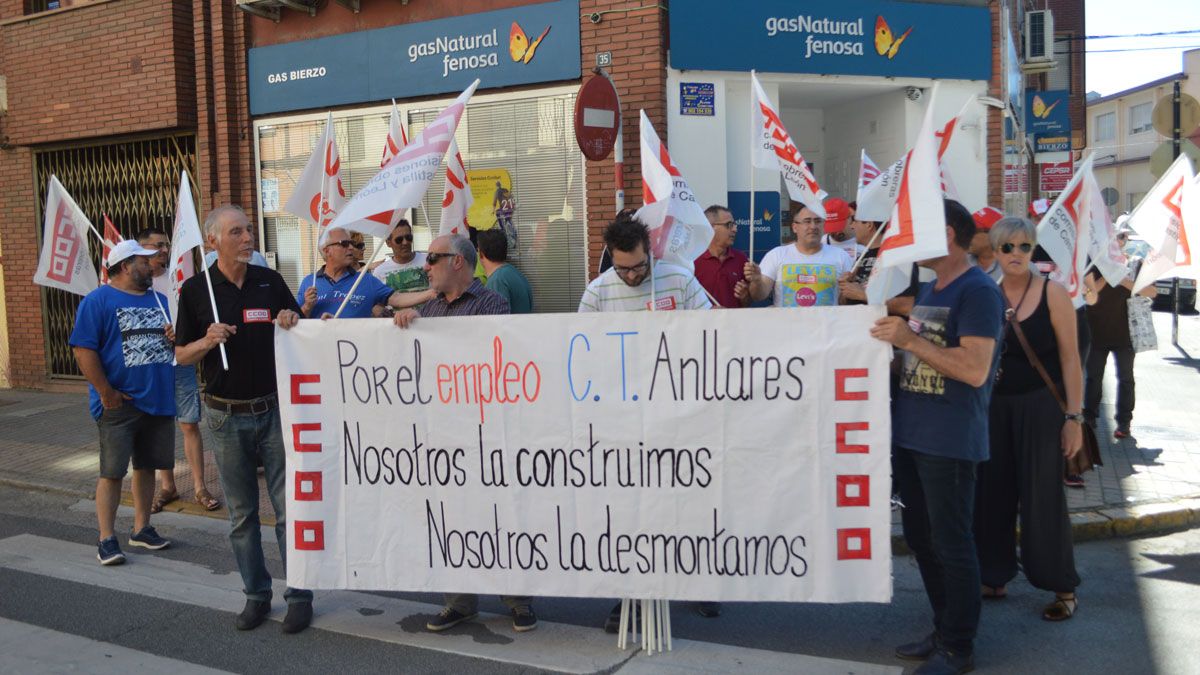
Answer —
35 6
1139 118
527 144
1106 127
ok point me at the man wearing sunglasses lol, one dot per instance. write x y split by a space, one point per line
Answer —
404 270
322 293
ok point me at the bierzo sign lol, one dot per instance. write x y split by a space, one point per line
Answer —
681 455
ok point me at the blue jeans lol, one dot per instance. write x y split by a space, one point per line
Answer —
939 500
240 441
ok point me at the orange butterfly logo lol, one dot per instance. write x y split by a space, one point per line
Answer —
887 44
519 46
1039 107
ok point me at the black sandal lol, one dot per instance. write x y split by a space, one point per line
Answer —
1061 609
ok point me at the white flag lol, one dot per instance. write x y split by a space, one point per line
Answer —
917 227
66 260
404 180
875 201
1064 232
185 238
772 148
396 138
1103 247
319 194
679 230
1159 220
458 197
1189 207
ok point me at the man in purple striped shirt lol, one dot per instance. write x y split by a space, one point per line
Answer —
450 265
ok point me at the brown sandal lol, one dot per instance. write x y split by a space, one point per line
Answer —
1061 609
162 499
206 500
994 592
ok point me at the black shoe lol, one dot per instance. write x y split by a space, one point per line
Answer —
252 616
919 650
450 618
708 610
613 622
946 662
524 619
299 616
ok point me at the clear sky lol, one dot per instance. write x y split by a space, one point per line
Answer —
1108 73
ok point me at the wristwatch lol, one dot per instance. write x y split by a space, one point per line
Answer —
1073 417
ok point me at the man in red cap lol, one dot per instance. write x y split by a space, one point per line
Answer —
981 254
838 231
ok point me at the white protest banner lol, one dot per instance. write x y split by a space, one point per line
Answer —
1064 232
65 261
319 194
679 230
772 148
663 455
184 239
458 199
1104 248
112 237
396 137
868 170
1158 219
403 181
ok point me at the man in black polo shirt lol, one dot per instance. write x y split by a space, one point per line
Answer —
243 408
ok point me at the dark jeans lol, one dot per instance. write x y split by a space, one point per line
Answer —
939 499
1096 362
1024 476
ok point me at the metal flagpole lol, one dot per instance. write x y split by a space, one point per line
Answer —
212 298
361 272
754 138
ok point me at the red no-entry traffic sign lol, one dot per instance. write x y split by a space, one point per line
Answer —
597 117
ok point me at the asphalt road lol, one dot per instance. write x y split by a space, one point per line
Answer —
1139 613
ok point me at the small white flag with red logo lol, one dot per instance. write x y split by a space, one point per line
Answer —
458 198
320 194
112 237
1064 233
875 201
65 261
1159 221
679 230
404 180
917 227
867 170
185 238
1104 248
396 138
772 148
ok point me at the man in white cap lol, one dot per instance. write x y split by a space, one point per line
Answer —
124 346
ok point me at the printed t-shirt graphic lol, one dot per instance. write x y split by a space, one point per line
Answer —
916 376
142 339
807 285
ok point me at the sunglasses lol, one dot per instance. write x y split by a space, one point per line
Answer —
1025 247
347 243
402 237
434 258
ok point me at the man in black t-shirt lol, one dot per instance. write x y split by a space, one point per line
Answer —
852 287
243 408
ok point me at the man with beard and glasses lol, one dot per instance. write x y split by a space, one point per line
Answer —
122 341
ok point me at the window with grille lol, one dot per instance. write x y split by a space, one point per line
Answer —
35 6
530 139
1139 118
1106 127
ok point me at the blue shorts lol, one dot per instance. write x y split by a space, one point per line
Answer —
187 395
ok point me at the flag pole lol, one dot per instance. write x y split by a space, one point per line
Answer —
874 238
753 139
354 287
212 298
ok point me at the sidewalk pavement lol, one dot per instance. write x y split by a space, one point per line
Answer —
1149 483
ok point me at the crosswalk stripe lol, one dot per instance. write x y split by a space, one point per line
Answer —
553 646
25 648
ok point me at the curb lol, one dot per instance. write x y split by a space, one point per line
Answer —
1110 522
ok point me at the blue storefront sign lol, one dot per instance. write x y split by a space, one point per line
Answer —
697 99
521 45
1047 112
842 37
766 221
1050 143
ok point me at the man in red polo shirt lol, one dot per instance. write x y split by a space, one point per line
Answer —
720 269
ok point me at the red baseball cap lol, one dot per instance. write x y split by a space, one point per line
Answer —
986 217
837 215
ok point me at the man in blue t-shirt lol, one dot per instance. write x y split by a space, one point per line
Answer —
322 293
939 435
123 343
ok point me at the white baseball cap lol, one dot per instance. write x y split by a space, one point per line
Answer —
125 249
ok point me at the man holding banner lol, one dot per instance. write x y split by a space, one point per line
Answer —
939 436
243 407
122 342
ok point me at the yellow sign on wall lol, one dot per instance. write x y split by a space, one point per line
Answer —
490 188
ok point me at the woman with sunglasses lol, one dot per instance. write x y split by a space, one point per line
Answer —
1030 437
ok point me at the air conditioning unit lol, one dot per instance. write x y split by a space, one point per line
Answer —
1039 36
